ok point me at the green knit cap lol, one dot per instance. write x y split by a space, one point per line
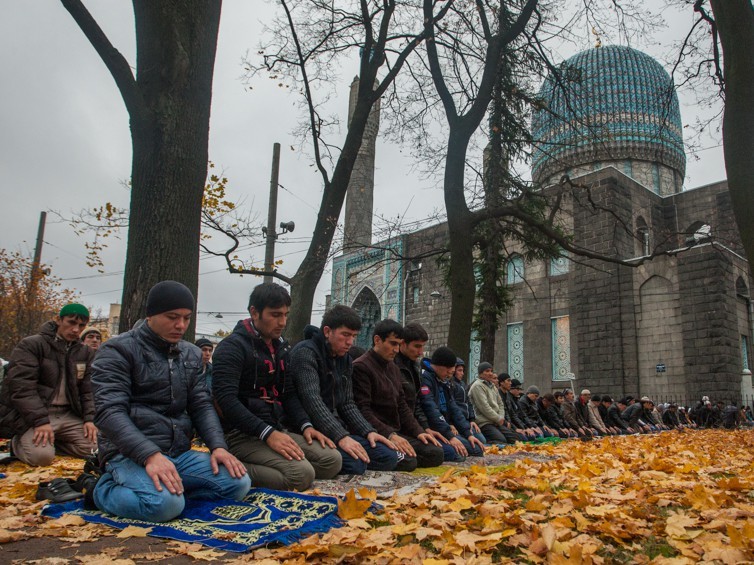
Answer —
74 310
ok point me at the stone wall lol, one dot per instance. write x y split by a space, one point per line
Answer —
427 296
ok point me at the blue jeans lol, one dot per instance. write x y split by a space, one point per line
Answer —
381 458
126 490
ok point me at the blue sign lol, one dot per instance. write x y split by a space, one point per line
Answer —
660 367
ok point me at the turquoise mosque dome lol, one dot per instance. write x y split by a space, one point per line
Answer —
615 106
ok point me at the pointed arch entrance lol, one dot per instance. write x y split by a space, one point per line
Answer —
368 307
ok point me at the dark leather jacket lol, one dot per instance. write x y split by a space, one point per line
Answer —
149 396
37 364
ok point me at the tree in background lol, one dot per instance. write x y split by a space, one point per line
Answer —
168 102
305 49
733 26
28 298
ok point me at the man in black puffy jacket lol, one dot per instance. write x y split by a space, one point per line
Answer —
148 398
249 378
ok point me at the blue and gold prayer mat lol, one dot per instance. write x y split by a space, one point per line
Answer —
263 517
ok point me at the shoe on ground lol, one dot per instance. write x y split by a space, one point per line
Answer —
85 484
57 490
91 466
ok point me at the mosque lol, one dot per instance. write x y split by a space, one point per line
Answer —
675 327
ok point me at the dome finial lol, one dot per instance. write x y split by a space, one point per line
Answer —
598 39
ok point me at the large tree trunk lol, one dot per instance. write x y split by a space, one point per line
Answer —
304 282
461 245
176 44
487 305
735 25
168 103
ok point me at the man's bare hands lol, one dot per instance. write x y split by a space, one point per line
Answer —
223 457
374 437
402 445
473 440
90 431
458 446
285 445
162 472
437 435
353 448
428 438
43 435
311 435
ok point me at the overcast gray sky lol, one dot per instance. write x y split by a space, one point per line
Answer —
65 145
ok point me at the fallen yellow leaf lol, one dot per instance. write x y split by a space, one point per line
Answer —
133 532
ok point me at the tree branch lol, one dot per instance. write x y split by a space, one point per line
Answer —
114 61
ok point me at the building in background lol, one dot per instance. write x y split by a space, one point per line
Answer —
674 328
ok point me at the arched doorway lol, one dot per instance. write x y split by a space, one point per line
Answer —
368 307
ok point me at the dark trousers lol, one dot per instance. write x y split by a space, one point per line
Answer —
381 458
498 434
427 455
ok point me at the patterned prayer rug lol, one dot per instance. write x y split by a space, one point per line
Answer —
385 484
263 517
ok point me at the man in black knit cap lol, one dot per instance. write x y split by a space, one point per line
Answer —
149 397
441 409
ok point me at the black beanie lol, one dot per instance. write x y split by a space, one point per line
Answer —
483 366
169 295
443 357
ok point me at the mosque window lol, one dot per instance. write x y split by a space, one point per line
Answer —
745 353
741 289
642 236
515 272
559 265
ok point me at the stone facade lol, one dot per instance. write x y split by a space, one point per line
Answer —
674 327
685 310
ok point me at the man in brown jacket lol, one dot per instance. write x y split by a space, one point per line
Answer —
46 399
379 394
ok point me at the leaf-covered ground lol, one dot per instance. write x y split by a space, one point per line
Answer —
676 497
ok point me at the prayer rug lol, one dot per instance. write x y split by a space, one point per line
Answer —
385 484
263 517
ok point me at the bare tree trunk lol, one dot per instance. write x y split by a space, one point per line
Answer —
461 245
487 304
169 105
304 282
735 25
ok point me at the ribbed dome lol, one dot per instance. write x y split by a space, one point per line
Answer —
614 104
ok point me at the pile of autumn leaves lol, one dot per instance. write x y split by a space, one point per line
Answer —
672 498
669 498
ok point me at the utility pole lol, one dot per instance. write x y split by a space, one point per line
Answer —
34 276
269 230
269 250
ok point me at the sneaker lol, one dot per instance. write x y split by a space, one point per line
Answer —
57 490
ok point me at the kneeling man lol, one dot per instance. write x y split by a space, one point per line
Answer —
379 394
249 381
148 398
46 399
321 369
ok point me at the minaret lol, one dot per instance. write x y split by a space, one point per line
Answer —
360 197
